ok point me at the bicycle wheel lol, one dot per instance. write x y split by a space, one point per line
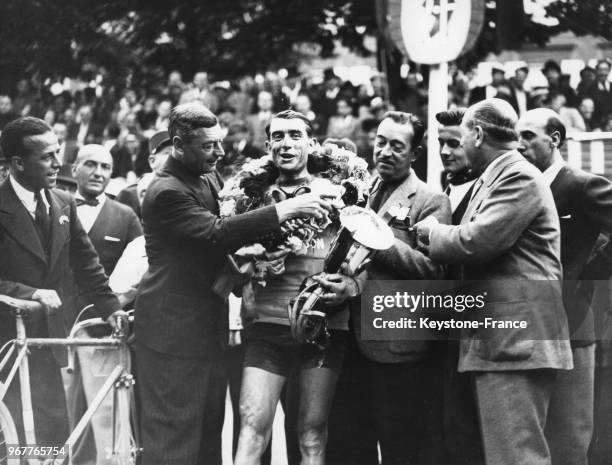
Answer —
8 436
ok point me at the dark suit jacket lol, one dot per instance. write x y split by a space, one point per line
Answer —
129 197
115 227
402 261
584 204
176 311
25 267
509 242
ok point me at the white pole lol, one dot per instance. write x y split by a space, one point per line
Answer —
438 101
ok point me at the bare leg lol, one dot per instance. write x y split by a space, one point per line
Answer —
317 387
258 399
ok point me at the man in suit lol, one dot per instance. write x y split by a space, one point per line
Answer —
85 131
44 248
458 177
110 225
160 148
600 91
584 205
408 430
508 245
480 93
257 123
181 324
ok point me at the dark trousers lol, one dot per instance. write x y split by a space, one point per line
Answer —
569 426
397 405
461 426
600 451
48 400
351 429
183 405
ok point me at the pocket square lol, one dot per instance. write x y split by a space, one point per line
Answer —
566 217
112 239
64 219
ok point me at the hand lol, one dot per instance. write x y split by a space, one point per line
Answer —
338 287
310 205
48 298
281 252
423 229
118 321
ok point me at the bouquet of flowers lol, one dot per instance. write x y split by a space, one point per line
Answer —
339 176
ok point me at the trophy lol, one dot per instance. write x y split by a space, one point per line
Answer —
362 232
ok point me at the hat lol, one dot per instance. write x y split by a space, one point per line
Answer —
157 140
551 65
498 68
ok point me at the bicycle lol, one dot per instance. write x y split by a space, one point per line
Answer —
124 449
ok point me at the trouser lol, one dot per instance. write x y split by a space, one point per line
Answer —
183 406
601 445
512 407
569 426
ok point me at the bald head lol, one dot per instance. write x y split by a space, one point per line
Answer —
541 134
92 170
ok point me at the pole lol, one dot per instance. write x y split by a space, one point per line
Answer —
438 101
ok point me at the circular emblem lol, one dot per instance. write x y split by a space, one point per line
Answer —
435 31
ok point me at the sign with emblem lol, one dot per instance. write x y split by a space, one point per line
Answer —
435 31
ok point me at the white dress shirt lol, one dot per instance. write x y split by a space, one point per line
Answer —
87 213
27 197
552 171
458 192
130 267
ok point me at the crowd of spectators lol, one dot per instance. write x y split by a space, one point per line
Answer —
337 108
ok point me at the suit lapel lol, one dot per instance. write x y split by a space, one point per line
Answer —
482 192
60 226
18 223
401 196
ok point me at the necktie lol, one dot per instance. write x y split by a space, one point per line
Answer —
378 196
92 202
41 218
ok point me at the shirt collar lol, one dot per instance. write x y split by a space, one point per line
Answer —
26 196
552 171
493 164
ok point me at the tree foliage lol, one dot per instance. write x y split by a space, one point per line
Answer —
144 39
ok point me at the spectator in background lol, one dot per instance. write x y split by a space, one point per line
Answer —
483 92
318 123
200 91
519 97
49 117
241 99
257 123
325 103
586 108
24 101
601 91
163 115
367 140
160 147
412 97
552 72
565 87
7 114
60 130
238 149
570 117
85 131
587 79
147 115
343 123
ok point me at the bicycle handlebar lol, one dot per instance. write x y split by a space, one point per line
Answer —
20 304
